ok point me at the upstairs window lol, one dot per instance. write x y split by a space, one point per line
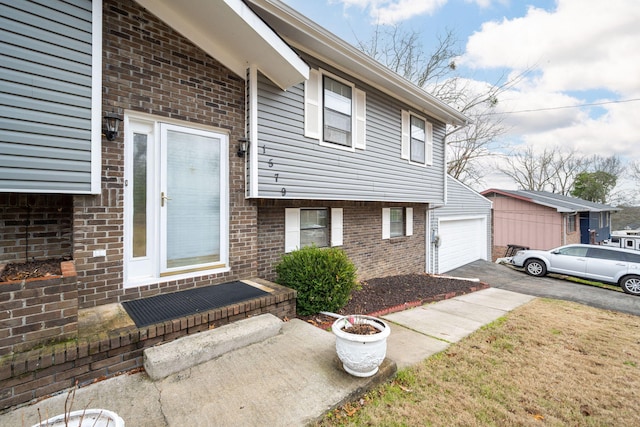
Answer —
337 112
334 111
417 139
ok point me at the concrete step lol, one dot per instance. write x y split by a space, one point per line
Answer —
186 352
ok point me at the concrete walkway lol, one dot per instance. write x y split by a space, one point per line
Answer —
289 379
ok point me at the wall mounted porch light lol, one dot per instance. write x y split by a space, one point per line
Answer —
112 122
243 147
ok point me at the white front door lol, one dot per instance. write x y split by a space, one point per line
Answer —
175 200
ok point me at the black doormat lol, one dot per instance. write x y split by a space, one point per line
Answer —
160 308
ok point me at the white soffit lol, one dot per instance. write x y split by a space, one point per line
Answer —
233 34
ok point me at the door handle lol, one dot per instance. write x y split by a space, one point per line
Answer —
163 198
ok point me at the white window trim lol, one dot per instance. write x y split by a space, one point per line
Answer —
96 98
360 120
386 223
312 105
314 108
292 228
405 144
408 221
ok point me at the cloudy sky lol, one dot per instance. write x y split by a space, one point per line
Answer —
583 87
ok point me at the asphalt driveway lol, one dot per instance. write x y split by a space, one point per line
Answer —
504 277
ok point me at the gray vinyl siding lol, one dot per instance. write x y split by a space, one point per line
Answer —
45 92
463 201
307 170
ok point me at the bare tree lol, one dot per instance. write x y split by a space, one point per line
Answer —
469 144
567 165
559 171
611 165
400 50
530 170
633 176
634 169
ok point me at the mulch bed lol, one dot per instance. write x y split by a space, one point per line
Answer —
386 295
30 270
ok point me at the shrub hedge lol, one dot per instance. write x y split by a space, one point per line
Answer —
323 278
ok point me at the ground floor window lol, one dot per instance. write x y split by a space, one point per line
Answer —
176 208
321 227
313 227
397 222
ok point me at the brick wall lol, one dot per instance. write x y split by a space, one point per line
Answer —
375 257
362 238
498 252
573 237
39 373
149 68
38 311
35 226
567 236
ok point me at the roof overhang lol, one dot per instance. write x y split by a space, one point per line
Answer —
307 36
487 193
542 201
230 32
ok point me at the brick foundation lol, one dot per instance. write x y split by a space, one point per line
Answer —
38 311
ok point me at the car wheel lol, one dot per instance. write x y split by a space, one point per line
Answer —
630 284
535 267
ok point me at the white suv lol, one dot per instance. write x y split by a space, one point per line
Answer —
600 263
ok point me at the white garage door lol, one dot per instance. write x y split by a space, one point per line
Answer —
461 242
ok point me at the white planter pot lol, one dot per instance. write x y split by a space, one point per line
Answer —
85 418
361 355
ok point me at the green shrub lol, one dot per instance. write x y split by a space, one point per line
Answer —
323 277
